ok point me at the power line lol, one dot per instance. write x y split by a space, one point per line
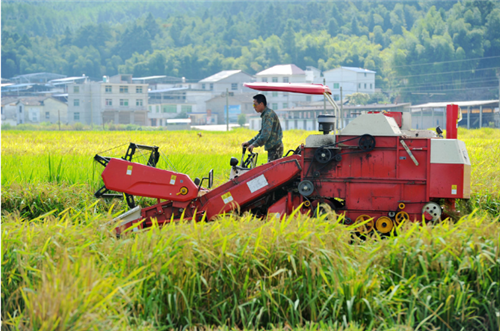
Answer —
447 83
422 64
441 91
448 72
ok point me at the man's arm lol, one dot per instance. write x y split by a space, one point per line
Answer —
265 132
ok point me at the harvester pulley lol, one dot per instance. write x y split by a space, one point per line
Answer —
367 143
323 155
306 188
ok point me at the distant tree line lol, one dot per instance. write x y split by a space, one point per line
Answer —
416 47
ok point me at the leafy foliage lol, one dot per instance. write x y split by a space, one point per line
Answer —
430 48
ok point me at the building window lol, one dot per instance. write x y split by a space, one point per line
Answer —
76 116
365 74
203 86
150 109
275 79
285 79
108 89
275 106
124 102
359 85
274 94
138 102
371 86
285 104
308 98
186 108
365 85
234 86
123 89
76 102
211 86
336 97
336 85
109 102
161 122
76 89
157 108
264 79
20 109
47 115
138 89
169 109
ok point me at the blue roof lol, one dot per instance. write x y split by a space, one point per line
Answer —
172 89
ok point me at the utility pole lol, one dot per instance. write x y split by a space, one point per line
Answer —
324 98
341 109
227 109
91 108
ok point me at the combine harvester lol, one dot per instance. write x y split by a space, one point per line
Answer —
376 170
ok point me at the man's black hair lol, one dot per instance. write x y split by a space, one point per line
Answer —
260 98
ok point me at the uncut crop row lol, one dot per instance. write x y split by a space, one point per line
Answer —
63 268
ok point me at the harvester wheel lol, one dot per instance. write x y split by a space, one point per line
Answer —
432 211
401 217
365 228
384 224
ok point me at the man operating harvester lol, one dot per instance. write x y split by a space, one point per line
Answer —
270 135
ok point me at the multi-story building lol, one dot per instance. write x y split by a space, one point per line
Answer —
230 80
115 100
169 103
33 110
283 73
351 80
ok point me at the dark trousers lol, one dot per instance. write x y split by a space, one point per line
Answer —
275 153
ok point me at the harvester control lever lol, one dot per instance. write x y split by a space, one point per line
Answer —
405 146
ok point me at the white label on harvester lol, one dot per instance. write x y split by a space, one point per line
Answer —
129 170
453 189
257 183
227 198
172 179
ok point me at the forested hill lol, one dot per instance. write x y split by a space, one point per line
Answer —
418 48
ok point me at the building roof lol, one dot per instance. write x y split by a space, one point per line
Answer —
353 69
172 89
8 101
66 80
459 103
221 75
283 70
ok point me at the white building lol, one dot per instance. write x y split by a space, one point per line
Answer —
33 110
168 103
231 80
351 80
284 73
114 100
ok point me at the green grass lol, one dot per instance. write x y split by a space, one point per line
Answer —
64 269
69 270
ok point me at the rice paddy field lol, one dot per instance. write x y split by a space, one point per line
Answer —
64 269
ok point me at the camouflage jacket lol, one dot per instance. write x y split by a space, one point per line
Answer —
270 135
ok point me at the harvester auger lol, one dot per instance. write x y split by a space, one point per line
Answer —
376 168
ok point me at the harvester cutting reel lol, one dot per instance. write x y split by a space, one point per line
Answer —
152 161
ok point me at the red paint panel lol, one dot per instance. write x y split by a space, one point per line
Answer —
239 192
290 87
443 177
140 180
373 196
